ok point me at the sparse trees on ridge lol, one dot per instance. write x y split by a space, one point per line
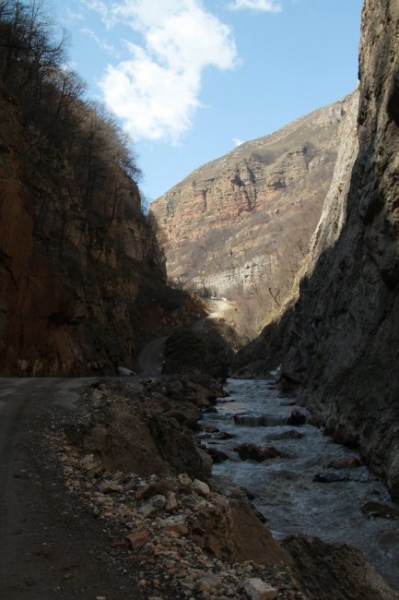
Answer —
51 97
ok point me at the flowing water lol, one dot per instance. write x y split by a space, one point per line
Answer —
286 493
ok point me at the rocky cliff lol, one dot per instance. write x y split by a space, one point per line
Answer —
239 226
345 333
267 350
82 278
82 284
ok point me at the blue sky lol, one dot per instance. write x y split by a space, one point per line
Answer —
191 79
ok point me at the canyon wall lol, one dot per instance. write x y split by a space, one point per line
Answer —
345 332
82 284
238 227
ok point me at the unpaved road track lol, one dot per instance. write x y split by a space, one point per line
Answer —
151 357
50 547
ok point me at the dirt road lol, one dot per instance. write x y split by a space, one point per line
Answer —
50 548
151 357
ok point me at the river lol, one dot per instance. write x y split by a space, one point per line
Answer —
288 490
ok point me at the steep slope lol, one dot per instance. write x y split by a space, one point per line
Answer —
239 226
346 332
82 285
267 350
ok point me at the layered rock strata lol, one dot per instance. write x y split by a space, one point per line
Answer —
238 227
267 351
345 333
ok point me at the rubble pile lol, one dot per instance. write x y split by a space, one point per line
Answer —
184 536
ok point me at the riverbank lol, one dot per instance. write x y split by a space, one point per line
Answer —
302 482
129 458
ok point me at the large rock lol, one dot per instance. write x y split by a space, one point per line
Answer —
129 434
258 453
230 528
335 571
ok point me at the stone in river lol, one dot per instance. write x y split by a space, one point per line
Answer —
258 453
224 435
288 402
296 418
375 509
330 477
208 428
217 455
346 462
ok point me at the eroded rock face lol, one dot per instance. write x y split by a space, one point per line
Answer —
239 226
346 328
267 351
79 292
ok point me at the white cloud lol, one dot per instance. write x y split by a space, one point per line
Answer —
102 9
74 16
100 42
156 89
262 5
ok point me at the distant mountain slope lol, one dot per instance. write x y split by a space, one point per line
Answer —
239 226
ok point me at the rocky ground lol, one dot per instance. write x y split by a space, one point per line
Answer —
107 495
187 539
128 456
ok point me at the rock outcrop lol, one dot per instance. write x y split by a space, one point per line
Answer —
82 286
238 227
335 571
267 351
345 330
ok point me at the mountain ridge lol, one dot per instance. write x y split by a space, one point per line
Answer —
239 226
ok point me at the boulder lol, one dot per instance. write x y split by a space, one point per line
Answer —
335 571
382 511
296 418
218 456
257 589
201 488
330 477
346 462
258 453
290 434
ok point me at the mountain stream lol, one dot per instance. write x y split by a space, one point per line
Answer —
300 491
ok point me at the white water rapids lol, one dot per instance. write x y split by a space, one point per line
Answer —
286 493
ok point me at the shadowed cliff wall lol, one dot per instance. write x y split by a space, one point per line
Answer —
346 328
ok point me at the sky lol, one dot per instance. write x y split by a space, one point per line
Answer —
189 80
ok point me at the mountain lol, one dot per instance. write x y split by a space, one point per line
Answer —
82 279
239 226
342 335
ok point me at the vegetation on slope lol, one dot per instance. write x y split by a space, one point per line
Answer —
82 280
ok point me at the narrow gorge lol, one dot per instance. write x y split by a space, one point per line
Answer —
238 227
198 400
